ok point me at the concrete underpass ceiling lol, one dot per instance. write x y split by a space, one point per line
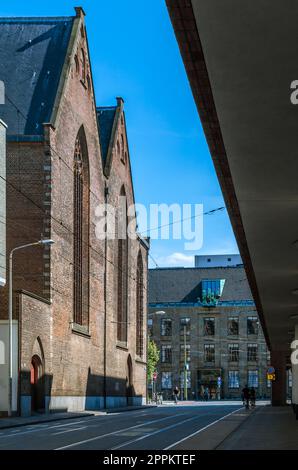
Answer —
251 53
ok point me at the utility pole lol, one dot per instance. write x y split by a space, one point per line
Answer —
185 365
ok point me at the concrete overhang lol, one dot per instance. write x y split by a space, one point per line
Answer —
241 58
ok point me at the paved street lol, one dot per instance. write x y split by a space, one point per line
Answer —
155 428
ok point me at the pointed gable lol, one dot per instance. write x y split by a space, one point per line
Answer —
32 54
106 118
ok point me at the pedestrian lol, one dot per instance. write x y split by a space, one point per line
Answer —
206 394
246 396
176 393
252 395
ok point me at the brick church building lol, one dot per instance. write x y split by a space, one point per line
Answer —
79 305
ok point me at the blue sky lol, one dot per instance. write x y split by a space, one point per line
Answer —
134 54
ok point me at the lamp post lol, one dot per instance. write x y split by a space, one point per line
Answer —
185 364
10 306
151 314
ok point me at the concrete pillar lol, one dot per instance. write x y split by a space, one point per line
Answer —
279 386
295 377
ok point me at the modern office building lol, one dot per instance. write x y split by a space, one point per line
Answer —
215 261
206 319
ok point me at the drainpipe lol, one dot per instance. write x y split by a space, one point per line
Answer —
105 304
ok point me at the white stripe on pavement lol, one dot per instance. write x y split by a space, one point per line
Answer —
155 432
202 429
117 432
68 430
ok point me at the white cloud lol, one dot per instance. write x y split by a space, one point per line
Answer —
176 259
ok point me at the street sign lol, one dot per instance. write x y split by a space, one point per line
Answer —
270 370
218 381
154 375
271 377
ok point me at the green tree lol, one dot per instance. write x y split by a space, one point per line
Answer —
152 359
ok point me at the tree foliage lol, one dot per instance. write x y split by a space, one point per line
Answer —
152 359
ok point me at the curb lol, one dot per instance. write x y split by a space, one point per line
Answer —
126 410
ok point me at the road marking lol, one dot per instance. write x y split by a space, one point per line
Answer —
117 432
202 429
68 430
155 432
48 426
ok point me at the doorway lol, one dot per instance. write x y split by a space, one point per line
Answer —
37 385
129 382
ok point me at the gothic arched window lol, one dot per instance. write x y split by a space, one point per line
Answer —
81 232
122 268
140 306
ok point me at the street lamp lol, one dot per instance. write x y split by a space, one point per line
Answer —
185 364
150 314
10 348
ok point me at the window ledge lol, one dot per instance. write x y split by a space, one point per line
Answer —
80 330
122 345
140 361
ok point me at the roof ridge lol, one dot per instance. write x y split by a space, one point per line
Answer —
35 18
105 107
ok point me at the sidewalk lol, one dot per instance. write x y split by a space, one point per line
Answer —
269 428
265 428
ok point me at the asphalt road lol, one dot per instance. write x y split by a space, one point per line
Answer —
148 429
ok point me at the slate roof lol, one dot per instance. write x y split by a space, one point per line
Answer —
105 117
32 54
183 284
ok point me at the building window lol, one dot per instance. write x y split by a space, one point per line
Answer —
209 352
88 83
150 326
122 265
268 357
182 355
209 326
253 378
122 149
81 232
188 379
252 325
233 326
233 379
184 326
252 352
83 66
211 291
166 380
166 327
233 352
77 65
140 306
166 353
